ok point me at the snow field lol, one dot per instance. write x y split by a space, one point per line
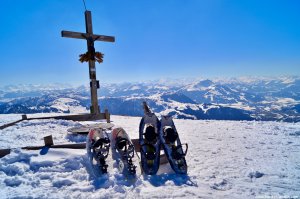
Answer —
226 159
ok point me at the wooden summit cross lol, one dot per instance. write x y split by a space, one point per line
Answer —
90 38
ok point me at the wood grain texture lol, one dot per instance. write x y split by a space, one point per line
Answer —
79 35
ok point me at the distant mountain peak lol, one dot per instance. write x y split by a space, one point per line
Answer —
199 85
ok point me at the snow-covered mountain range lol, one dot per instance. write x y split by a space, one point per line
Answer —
241 98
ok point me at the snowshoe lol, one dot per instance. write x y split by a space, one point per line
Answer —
124 152
172 145
97 145
150 143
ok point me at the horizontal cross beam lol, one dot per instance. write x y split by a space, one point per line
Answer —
78 35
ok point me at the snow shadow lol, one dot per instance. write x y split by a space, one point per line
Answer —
111 179
166 174
101 182
76 138
44 150
177 179
118 181
98 181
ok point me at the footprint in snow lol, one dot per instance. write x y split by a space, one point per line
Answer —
255 174
221 186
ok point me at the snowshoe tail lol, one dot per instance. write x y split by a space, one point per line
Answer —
150 143
146 108
172 145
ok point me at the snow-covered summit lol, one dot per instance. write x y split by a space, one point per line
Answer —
226 159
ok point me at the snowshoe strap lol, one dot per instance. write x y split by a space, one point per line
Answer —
102 153
131 166
150 153
177 153
150 134
132 169
104 168
121 143
101 148
100 142
170 135
126 147
130 151
102 162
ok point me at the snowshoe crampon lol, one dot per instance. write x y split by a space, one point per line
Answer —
150 143
123 151
97 145
174 150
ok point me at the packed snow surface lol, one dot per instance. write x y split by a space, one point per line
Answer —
68 104
226 159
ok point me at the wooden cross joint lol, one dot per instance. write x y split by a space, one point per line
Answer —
79 35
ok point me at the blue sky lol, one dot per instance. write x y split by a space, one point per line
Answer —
154 39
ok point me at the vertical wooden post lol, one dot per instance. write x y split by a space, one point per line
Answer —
95 109
107 116
4 152
48 140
